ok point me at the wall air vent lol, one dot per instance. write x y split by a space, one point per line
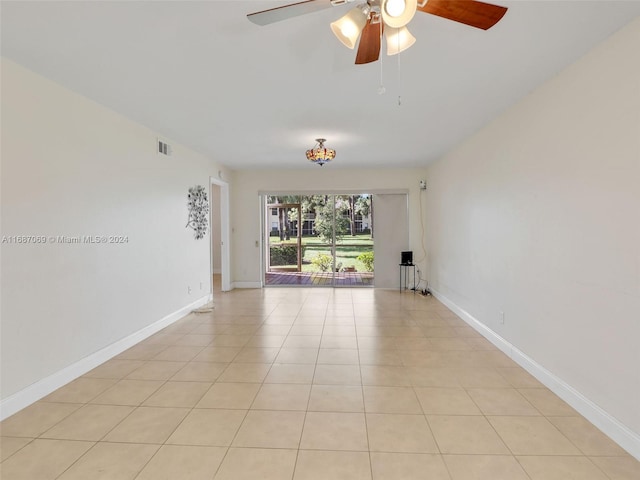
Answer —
163 148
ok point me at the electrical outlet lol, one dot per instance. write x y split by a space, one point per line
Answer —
189 290
200 285
501 318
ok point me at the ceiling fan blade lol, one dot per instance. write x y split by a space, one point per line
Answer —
369 47
284 12
470 12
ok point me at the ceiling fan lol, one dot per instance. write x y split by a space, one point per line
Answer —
368 21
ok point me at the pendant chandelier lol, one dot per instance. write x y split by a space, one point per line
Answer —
320 154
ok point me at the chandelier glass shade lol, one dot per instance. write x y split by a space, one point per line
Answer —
348 28
397 13
320 154
398 40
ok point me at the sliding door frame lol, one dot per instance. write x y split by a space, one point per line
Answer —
351 191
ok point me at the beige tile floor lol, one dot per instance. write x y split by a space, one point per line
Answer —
302 384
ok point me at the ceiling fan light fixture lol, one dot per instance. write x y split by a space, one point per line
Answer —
320 154
398 13
348 28
395 8
398 40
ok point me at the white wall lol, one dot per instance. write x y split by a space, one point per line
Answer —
538 215
391 225
72 167
245 216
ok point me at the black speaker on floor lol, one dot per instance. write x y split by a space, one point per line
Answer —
406 258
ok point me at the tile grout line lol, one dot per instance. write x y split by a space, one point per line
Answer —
304 420
364 404
228 447
95 443
183 418
435 440
192 409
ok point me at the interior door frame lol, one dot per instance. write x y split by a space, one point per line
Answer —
225 260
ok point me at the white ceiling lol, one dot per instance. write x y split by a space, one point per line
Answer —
201 74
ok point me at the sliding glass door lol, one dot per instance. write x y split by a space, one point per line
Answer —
319 240
353 240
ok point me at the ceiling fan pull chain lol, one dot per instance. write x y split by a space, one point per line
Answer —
381 88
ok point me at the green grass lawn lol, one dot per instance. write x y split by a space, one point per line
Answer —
347 251
361 239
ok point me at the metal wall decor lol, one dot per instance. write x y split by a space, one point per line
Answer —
198 204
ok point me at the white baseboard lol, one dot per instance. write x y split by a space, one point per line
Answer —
609 425
246 285
44 387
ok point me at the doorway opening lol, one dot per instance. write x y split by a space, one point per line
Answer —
219 221
319 240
